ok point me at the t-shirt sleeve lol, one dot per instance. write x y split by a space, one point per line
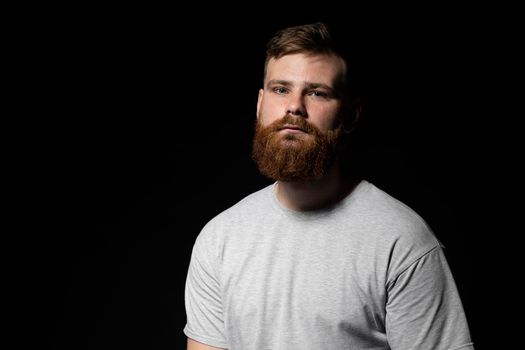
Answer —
423 309
203 301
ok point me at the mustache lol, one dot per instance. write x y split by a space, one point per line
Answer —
288 120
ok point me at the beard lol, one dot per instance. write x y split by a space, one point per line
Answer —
286 156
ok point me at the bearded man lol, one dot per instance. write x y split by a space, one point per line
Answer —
318 259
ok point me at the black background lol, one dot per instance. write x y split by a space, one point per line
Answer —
127 129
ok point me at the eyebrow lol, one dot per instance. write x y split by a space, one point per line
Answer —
309 85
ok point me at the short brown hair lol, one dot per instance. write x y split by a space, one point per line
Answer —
314 38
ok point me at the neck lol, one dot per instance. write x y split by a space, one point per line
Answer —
312 195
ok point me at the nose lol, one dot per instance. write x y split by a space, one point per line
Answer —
296 106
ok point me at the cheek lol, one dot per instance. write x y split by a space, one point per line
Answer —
269 111
326 119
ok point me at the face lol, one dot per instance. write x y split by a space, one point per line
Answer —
299 117
304 86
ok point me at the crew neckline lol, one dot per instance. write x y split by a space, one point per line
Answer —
317 213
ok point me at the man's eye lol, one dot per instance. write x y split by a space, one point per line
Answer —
318 93
279 90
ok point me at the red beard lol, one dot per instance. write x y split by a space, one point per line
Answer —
288 157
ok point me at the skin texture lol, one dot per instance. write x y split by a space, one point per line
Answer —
195 345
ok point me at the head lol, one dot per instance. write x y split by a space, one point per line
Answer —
305 105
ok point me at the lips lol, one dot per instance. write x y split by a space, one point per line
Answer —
292 127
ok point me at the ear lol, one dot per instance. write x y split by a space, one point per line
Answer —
352 116
259 99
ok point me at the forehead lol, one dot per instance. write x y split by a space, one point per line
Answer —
312 68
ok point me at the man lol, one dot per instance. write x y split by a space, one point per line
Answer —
319 259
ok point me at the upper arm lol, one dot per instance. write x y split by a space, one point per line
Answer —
203 297
195 345
424 308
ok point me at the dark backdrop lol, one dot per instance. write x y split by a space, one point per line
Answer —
127 130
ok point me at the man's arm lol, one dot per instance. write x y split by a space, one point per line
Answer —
195 345
203 298
424 310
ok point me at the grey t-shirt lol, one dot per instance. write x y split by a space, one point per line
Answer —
366 273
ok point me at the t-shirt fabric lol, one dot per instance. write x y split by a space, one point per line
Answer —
365 273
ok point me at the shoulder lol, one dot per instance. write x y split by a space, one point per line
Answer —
244 211
252 205
395 230
391 216
385 206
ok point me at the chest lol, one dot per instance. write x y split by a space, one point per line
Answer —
308 278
